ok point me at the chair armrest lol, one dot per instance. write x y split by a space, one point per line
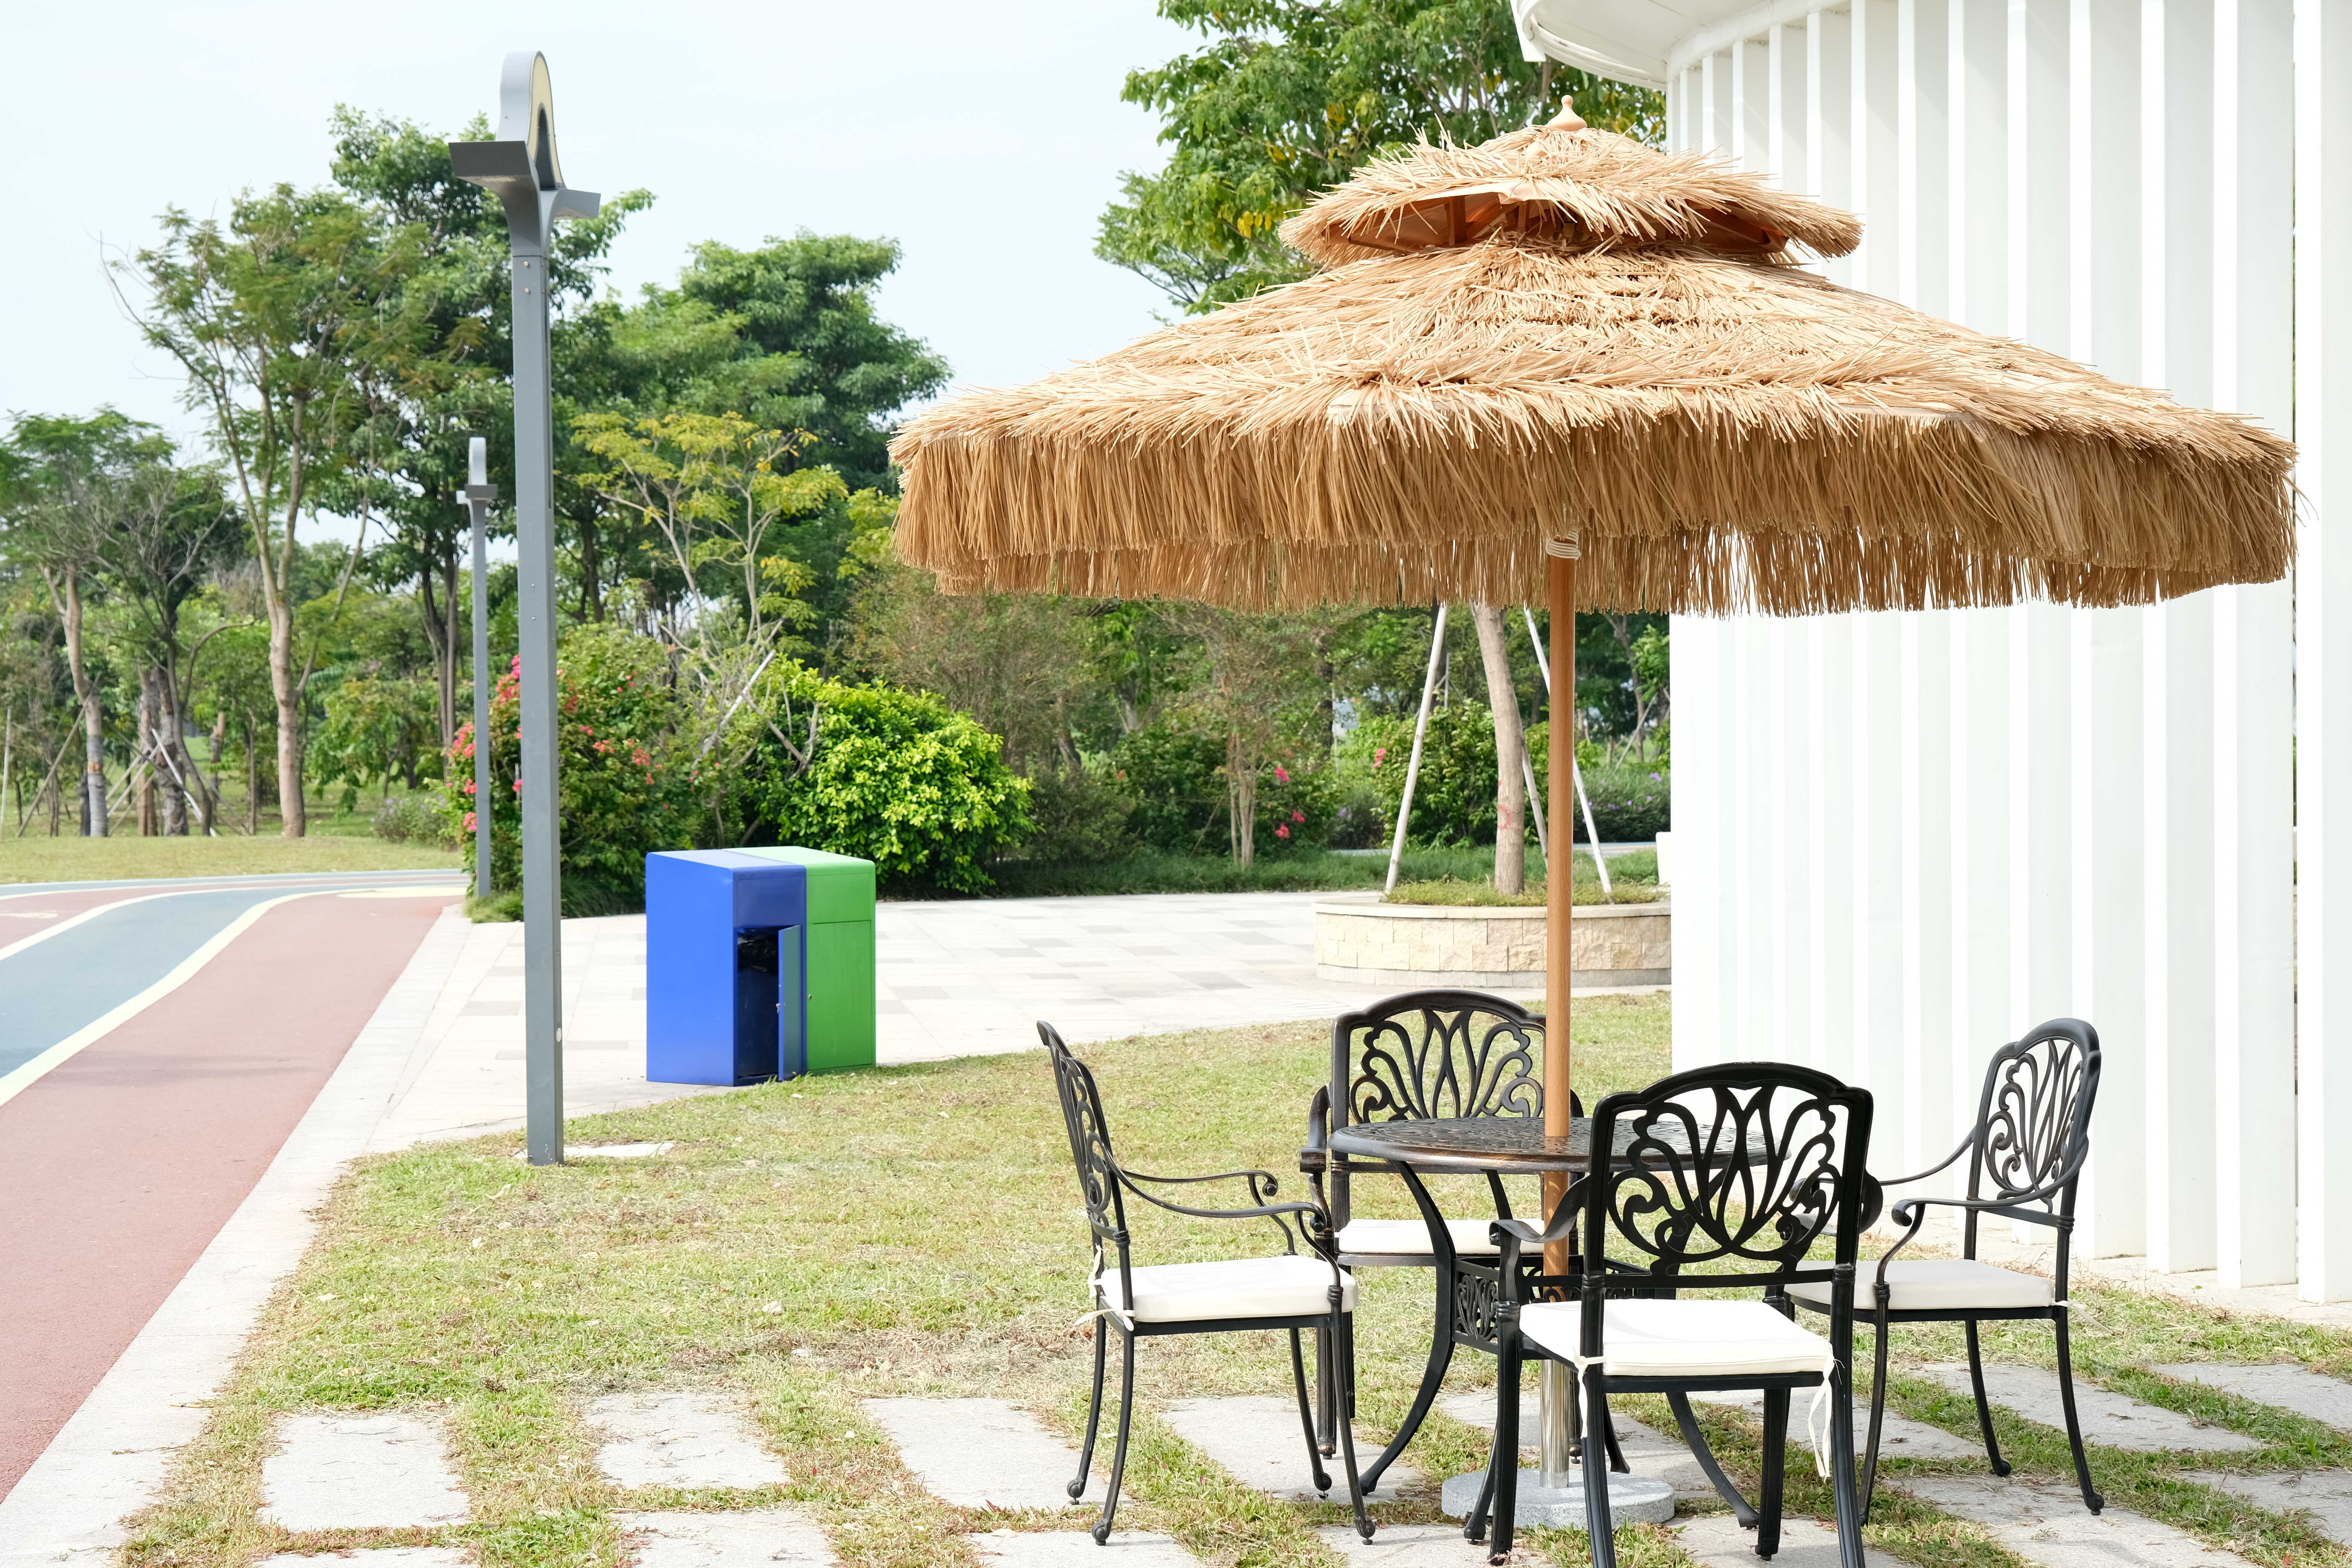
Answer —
1315 1156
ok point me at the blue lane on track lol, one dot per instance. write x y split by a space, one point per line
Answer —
58 986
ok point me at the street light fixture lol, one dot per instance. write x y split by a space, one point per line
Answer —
476 498
520 169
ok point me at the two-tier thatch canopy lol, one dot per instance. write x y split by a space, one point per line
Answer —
1564 368
1563 333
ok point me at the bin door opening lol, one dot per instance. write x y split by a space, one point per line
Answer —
756 998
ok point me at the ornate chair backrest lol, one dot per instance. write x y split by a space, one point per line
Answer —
1099 1180
2033 1124
1431 1053
1735 1170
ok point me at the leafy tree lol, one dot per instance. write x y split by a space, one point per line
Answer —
457 383
1288 97
280 316
714 487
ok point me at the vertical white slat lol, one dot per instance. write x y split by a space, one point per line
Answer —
1834 919
1872 140
2041 808
1925 763
2253 669
1977 208
2110 987
2041 645
1787 156
1981 783
1751 98
2323 660
2175 352
1923 74
1829 93
1876 848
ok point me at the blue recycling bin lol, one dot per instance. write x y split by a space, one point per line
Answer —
729 939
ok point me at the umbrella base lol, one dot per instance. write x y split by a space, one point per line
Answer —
1633 1500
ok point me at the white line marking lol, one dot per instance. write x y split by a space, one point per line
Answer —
16 1082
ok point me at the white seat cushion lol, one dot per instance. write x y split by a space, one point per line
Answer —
1681 1338
1938 1285
1245 1287
1373 1236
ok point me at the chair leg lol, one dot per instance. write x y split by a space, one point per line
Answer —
1503 1464
1307 1418
1776 1472
1326 1414
1432 1378
1344 1329
1596 1476
1852 1512
1877 1420
1617 1455
1984 1406
1687 1424
2091 1499
1094 1411
1118 1453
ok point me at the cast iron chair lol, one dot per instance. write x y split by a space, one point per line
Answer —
1291 1291
2032 1137
1415 1056
1736 1171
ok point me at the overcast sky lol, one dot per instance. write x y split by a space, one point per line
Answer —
983 137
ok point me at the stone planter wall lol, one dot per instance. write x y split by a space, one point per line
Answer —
1358 938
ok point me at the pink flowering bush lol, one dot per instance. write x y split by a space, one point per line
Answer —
624 762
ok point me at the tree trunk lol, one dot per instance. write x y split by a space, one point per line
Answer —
1510 751
252 782
149 739
283 687
175 755
93 717
591 591
442 637
1241 799
452 620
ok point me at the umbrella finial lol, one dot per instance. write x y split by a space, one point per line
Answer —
1567 119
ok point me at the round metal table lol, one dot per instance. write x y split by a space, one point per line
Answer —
1500 1146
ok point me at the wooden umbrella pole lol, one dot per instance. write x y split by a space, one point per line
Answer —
1558 870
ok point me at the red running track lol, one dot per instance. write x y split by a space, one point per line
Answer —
122 1164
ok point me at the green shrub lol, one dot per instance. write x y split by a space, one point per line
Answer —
893 776
1629 803
1080 816
1174 771
1454 797
623 763
421 818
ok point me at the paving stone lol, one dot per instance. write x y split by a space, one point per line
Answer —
753 1538
360 1472
2296 1388
1420 1546
1647 1453
1076 1549
2326 1495
2050 1525
680 1441
2115 1419
986 1453
1256 1438
1717 1541
375 1557
1901 1438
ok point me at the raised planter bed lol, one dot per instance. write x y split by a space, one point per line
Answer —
1357 938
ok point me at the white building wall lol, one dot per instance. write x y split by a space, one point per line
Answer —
1908 838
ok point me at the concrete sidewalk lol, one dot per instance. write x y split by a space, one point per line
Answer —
967 978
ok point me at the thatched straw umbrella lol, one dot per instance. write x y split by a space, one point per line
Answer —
1563 364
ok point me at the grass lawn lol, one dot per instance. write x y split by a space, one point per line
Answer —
64 860
916 1230
1155 871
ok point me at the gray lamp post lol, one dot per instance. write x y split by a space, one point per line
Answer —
476 498
520 169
